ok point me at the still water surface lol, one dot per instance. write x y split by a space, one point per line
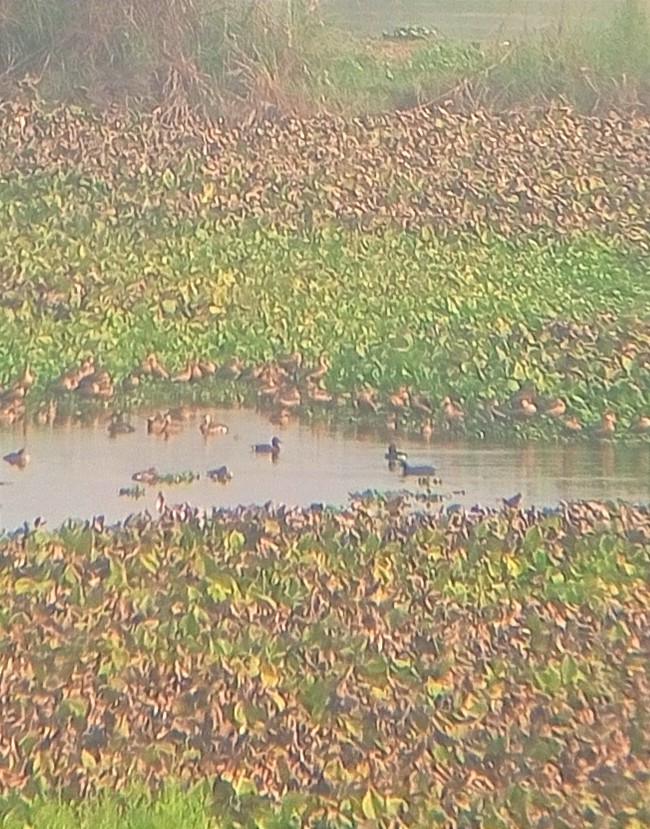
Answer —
465 19
76 472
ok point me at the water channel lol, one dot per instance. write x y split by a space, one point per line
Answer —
465 19
77 471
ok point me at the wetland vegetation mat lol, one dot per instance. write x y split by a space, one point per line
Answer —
463 256
480 262
379 665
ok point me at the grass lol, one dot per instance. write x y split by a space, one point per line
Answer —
137 808
133 809
229 58
593 67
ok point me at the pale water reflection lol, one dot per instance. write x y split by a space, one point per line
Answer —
77 471
466 19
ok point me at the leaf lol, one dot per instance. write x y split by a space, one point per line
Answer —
569 670
368 805
24 585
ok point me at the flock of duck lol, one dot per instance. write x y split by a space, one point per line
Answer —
284 385
165 424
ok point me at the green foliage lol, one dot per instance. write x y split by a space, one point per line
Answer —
131 809
460 316
416 648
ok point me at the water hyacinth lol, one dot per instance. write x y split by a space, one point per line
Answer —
300 647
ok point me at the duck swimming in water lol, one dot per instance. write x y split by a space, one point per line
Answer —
272 448
221 474
422 470
394 454
19 458
210 427
425 473
119 425
146 476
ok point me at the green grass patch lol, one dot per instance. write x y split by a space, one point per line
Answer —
132 809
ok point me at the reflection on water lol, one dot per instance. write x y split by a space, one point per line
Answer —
465 19
77 471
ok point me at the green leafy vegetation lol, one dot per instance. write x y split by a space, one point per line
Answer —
124 242
384 662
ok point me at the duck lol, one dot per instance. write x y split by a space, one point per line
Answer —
525 409
272 448
185 375
12 401
607 426
427 430
288 398
394 454
365 401
527 391
27 380
70 380
12 412
87 367
422 405
401 399
119 425
513 502
146 476
98 383
209 427
151 365
452 412
322 367
292 363
171 425
317 394
131 381
231 370
221 474
421 471
160 503
156 424
252 374
494 411
268 390
641 425
556 408
208 368
573 425
20 458
196 372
